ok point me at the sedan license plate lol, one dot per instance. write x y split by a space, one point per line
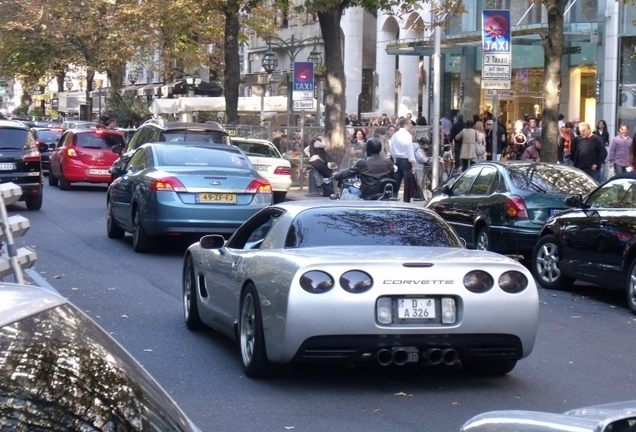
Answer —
7 166
207 197
416 308
260 167
98 172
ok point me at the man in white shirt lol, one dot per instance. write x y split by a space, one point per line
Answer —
402 151
446 124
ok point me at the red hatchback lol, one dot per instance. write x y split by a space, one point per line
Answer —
84 155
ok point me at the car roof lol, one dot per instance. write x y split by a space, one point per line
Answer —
20 301
102 130
203 145
295 207
165 125
13 124
252 140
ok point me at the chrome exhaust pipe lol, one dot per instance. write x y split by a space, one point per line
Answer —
384 357
434 356
400 356
450 356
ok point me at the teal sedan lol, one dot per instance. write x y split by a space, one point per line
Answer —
501 206
169 190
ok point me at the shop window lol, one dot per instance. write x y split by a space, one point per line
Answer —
627 83
584 11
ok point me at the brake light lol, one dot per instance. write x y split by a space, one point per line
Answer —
40 145
282 171
515 207
170 184
259 186
70 152
32 157
99 131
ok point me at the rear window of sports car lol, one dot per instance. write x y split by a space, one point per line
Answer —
373 227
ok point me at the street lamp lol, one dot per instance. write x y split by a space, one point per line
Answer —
99 83
291 47
133 76
316 58
192 81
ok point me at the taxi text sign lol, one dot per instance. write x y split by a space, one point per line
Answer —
496 34
497 47
304 76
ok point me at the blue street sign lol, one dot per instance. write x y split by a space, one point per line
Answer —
303 76
496 34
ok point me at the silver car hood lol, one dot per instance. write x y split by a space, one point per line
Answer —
595 418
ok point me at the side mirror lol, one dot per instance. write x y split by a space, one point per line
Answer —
117 148
212 241
446 190
332 165
574 200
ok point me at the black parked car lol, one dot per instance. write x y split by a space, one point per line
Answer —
501 206
21 162
595 241
46 139
168 132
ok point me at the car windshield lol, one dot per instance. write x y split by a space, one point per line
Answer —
552 179
59 371
619 193
257 149
49 136
98 140
187 156
207 136
13 138
372 227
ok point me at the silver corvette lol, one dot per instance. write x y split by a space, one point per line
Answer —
347 281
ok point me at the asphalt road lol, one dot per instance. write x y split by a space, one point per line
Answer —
583 355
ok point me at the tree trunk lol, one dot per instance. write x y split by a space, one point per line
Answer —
232 72
553 53
334 82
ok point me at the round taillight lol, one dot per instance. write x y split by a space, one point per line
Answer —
478 281
316 282
356 281
513 282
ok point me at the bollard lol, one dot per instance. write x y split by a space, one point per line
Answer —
311 183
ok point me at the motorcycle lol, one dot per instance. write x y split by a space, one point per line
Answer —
349 190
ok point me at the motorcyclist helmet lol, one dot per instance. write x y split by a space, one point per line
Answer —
374 146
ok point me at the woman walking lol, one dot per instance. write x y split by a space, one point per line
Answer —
468 137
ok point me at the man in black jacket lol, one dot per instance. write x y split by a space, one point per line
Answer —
456 129
370 170
589 151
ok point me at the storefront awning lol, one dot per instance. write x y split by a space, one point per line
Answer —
521 35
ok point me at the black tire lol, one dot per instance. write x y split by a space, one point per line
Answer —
141 242
33 202
113 230
545 264
251 338
496 367
190 305
630 288
53 181
482 240
279 197
64 184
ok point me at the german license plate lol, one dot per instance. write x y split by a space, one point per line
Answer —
260 167
98 172
208 197
416 308
7 166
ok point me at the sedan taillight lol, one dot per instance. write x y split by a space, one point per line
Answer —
515 207
170 184
259 186
282 171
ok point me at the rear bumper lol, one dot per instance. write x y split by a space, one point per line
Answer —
31 186
348 348
514 240
82 173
